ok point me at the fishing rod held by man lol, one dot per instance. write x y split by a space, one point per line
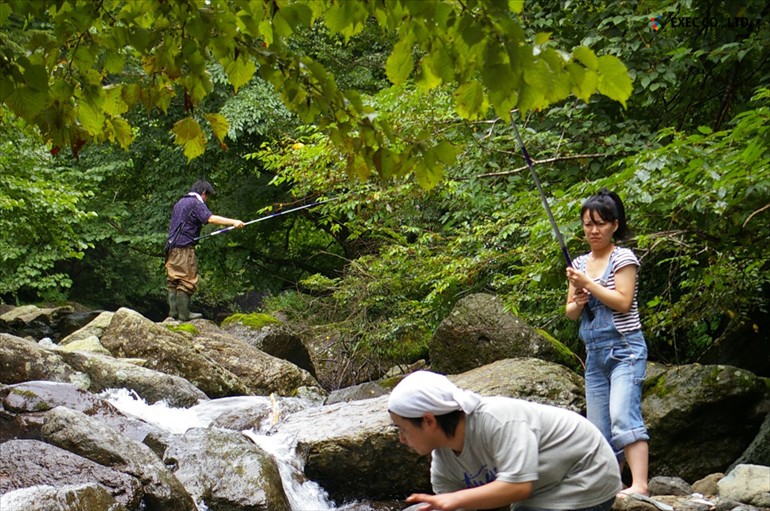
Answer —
261 219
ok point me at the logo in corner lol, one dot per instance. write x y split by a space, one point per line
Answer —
656 22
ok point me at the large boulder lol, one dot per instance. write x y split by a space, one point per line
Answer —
224 470
106 372
348 446
758 452
131 335
24 360
89 438
30 401
747 483
530 379
480 331
271 336
263 374
34 463
700 418
35 322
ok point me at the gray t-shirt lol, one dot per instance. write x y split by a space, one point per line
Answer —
566 457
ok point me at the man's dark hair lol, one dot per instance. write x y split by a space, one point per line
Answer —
447 422
200 187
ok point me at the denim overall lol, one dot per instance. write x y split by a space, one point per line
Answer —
615 370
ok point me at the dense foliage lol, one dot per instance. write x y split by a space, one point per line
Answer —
373 272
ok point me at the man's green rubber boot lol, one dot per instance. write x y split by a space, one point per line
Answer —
183 305
173 310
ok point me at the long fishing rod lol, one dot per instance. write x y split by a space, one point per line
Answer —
261 219
547 208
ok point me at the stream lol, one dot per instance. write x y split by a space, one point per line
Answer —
302 494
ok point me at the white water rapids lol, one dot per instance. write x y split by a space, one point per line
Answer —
302 494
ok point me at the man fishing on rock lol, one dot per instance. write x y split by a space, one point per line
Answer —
190 214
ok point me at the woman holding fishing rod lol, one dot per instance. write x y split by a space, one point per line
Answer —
605 280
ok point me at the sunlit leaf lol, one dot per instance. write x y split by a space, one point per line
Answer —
400 63
614 81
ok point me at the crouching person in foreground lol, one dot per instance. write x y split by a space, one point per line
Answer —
491 452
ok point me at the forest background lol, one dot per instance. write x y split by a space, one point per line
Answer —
398 110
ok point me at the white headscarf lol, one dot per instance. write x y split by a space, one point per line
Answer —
426 392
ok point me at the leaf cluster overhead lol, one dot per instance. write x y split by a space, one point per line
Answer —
74 68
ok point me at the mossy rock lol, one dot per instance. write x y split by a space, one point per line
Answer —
183 327
255 320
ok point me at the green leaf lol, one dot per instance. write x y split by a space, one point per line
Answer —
36 78
541 38
584 81
427 172
346 18
220 126
120 132
400 63
240 71
91 117
25 102
614 81
188 133
113 101
516 6
470 100
586 56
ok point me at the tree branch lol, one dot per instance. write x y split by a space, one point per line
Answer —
548 160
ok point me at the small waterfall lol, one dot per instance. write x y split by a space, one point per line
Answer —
301 492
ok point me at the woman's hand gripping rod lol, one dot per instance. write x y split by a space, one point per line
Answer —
555 227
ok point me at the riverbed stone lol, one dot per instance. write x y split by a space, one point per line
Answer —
89 438
34 463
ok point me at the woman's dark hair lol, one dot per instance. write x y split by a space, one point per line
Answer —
200 187
609 207
447 422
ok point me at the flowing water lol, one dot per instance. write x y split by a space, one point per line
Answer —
301 493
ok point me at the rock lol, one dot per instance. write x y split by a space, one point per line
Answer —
76 497
758 452
366 390
526 378
707 485
78 320
89 344
699 418
35 398
105 372
35 463
749 484
662 485
87 437
35 322
347 447
263 374
259 416
23 360
226 471
273 338
132 335
479 331
94 328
